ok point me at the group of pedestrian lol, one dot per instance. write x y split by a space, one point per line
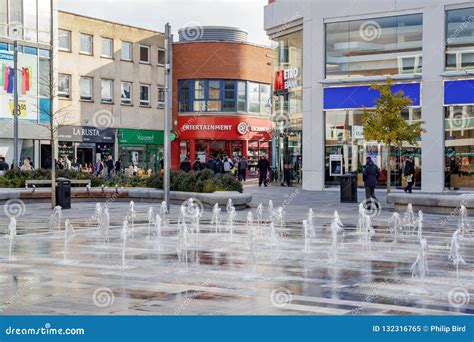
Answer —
219 165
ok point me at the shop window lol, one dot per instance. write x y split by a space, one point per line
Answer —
107 47
144 54
126 93
144 95
64 40
460 39
64 86
126 52
86 88
459 150
86 44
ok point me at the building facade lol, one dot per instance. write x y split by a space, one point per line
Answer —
111 91
330 52
221 92
31 24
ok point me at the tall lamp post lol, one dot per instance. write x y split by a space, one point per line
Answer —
15 104
167 121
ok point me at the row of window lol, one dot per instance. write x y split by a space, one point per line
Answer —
393 45
212 95
107 48
107 91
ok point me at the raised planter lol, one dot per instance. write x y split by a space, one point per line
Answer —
240 200
432 202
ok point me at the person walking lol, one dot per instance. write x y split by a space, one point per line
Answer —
218 166
197 165
3 166
453 174
185 165
242 169
110 166
409 173
370 175
227 165
263 167
118 166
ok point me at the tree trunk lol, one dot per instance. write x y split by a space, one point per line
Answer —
53 171
388 170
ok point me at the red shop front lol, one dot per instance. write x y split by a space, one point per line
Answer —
205 136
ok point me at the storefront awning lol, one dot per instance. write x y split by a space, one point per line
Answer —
355 97
459 92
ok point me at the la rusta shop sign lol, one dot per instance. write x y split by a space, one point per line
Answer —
287 79
224 128
86 134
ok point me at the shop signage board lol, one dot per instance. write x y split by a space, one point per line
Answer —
287 79
86 134
142 136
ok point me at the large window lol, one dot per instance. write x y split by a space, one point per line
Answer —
86 44
126 51
460 39
107 91
144 95
86 88
144 54
126 93
161 57
107 47
161 97
64 40
345 139
64 86
459 157
223 96
374 47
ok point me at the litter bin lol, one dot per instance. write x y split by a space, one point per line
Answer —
63 193
349 188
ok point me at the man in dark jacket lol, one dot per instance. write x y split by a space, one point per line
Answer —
242 169
110 166
263 166
197 165
370 175
185 165
210 164
409 173
3 165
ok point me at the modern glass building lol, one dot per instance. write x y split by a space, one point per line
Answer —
330 52
29 24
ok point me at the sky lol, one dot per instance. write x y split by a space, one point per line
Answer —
154 14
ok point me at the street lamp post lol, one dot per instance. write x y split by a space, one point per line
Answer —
15 104
167 121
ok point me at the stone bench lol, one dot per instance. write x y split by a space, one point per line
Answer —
82 182
435 203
